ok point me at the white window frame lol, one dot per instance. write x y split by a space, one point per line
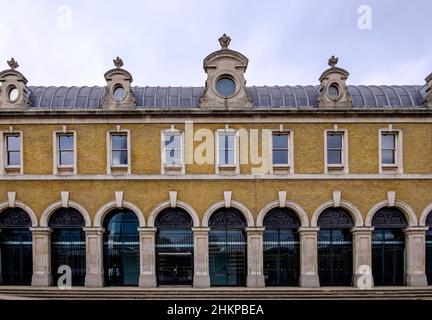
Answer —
167 168
123 168
228 168
343 167
282 168
397 167
64 169
5 168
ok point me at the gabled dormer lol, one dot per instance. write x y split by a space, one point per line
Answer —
225 87
14 93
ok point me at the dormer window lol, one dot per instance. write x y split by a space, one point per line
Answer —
225 86
119 93
333 91
13 94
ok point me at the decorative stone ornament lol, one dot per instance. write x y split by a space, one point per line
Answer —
428 98
119 95
333 93
225 87
13 90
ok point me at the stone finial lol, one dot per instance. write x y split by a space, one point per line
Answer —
224 41
13 64
332 62
118 62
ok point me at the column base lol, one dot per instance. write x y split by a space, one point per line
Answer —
94 280
416 280
255 281
147 281
366 285
41 280
201 281
309 281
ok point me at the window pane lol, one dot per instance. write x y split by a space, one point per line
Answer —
66 158
119 141
13 143
280 141
388 157
66 142
388 141
14 158
280 157
334 141
226 157
173 141
173 156
226 141
334 157
119 157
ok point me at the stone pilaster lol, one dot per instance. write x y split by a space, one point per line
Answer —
94 257
255 276
415 238
201 277
147 278
362 251
42 276
309 257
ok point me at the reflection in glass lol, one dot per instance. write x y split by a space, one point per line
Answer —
225 87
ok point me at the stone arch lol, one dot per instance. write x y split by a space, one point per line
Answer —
406 210
424 215
167 204
234 204
348 206
301 213
57 205
108 207
21 205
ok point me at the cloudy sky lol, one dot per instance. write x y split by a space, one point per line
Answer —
163 42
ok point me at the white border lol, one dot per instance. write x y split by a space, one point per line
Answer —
344 167
398 166
3 161
108 144
56 166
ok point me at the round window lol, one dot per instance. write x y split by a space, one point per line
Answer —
13 94
119 93
333 91
225 86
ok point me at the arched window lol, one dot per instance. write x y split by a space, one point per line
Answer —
335 265
281 248
174 247
429 249
68 244
227 248
121 248
16 264
388 247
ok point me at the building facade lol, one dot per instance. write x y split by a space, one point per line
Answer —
221 185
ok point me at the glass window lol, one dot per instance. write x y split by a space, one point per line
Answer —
227 148
119 93
334 148
66 149
280 145
225 86
173 148
13 150
388 148
119 149
333 91
13 94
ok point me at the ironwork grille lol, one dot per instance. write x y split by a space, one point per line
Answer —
388 256
16 267
68 248
335 257
227 257
281 257
174 257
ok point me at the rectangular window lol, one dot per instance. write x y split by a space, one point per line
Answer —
227 152
280 148
119 150
173 148
13 150
334 148
388 148
66 149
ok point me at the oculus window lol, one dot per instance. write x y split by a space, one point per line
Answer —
225 86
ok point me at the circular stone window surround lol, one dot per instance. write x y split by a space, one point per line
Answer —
339 86
226 74
8 91
114 88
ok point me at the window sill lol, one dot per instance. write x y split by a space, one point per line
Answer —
120 170
227 169
173 168
65 170
281 169
336 169
390 169
12 170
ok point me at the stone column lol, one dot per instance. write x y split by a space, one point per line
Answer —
147 278
41 257
362 250
415 238
201 277
308 257
94 257
255 276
